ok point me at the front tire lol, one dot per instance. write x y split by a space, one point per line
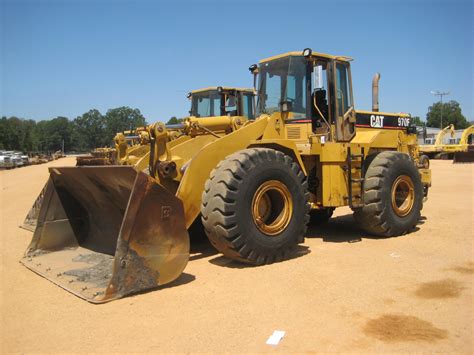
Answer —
255 206
424 161
393 195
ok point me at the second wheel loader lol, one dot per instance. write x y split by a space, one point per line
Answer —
206 105
105 232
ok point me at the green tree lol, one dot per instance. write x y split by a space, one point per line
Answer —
416 120
30 137
90 131
51 134
17 134
122 119
3 132
174 120
451 115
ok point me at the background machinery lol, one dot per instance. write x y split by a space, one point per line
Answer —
436 150
206 104
462 152
105 232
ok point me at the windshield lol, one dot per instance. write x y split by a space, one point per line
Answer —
283 80
206 104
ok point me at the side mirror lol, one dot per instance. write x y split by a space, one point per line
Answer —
286 106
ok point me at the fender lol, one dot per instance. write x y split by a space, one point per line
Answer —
197 172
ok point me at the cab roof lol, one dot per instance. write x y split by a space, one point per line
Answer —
224 88
314 54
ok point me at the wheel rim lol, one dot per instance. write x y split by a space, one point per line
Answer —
272 207
403 195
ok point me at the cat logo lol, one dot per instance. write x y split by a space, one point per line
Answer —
165 212
376 121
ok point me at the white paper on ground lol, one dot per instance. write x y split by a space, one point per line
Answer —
275 338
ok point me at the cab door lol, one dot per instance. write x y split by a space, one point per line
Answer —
345 114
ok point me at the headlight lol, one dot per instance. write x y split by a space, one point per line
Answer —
307 52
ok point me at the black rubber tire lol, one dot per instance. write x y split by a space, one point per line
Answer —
226 206
317 217
378 216
424 161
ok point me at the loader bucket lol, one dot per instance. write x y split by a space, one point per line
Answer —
464 157
32 217
106 232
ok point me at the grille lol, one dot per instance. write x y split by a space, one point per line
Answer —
293 132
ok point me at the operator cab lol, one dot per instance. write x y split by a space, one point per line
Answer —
222 101
309 87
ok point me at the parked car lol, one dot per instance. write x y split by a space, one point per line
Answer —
6 162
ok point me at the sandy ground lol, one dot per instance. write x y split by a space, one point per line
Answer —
407 294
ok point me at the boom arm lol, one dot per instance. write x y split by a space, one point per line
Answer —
465 135
443 132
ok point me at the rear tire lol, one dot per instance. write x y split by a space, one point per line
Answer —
393 195
255 206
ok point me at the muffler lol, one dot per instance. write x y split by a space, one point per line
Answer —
106 232
375 92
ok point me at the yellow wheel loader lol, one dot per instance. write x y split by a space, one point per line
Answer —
106 232
132 147
206 105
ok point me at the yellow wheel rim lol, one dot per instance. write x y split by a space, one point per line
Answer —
403 195
272 207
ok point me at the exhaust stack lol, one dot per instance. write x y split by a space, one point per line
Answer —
375 92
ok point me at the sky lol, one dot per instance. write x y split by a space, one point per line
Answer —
62 58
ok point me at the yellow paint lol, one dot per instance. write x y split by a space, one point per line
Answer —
299 54
200 167
225 88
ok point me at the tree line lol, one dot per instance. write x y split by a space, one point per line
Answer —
88 131
93 129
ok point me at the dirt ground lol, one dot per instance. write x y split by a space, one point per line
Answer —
407 294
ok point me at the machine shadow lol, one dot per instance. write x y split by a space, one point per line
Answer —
340 229
183 279
344 229
220 260
201 248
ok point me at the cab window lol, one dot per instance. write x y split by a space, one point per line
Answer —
343 92
247 106
320 94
